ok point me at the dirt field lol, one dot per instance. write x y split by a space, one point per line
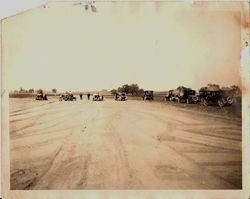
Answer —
123 145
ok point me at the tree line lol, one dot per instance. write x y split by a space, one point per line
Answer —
32 90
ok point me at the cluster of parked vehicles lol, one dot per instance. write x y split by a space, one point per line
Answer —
206 96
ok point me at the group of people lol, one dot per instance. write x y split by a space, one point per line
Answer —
88 95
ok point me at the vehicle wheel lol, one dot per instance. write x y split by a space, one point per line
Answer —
195 99
221 103
230 100
205 102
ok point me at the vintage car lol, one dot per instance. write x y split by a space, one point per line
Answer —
67 97
148 95
221 97
168 95
97 97
228 96
41 96
183 95
121 96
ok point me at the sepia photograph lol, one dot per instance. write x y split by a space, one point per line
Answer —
112 95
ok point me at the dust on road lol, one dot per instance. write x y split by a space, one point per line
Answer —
122 145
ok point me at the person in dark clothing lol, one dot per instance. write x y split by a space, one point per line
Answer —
81 96
88 95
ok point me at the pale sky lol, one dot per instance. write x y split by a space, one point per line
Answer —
158 46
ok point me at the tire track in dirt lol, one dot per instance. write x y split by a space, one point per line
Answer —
201 139
124 146
43 125
132 180
28 110
69 161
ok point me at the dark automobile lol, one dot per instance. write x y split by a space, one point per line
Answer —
121 96
168 95
97 97
67 97
148 95
41 96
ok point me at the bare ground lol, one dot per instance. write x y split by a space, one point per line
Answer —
123 145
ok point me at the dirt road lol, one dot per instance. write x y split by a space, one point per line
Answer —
122 145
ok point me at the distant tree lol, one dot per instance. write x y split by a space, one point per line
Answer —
125 88
130 89
113 91
120 89
22 90
141 91
134 89
54 90
31 90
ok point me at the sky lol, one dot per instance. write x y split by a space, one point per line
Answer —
159 46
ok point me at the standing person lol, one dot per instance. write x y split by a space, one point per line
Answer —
88 95
81 96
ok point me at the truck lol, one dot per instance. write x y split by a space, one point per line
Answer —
183 95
